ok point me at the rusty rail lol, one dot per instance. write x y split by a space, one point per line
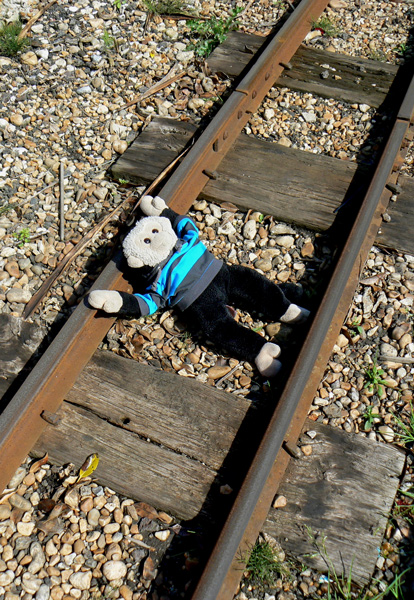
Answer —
21 422
223 571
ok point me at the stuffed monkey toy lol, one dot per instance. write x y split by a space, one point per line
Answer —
178 270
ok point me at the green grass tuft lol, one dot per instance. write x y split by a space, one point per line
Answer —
212 32
264 566
9 44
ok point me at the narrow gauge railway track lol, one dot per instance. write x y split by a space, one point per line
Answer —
39 397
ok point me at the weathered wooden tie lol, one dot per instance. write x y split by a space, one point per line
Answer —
341 495
327 74
173 446
292 185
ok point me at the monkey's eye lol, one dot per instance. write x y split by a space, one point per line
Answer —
147 241
155 231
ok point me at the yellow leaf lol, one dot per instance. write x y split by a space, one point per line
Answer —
89 465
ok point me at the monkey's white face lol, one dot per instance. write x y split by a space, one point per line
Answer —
149 242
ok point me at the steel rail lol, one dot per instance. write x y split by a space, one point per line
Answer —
35 403
216 140
223 571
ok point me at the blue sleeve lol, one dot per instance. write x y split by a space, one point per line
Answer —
185 229
149 303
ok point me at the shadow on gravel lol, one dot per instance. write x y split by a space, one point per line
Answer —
180 568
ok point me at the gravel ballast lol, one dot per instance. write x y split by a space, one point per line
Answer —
63 103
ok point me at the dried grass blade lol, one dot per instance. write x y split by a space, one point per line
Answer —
171 77
33 20
34 302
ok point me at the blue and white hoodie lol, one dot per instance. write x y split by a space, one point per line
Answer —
182 277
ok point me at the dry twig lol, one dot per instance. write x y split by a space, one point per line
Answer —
34 302
405 360
62 201
171 77
33 20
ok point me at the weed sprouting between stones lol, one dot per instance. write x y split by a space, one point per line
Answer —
342 587
264 565
22 236
327 26
406 433
212 32
10 44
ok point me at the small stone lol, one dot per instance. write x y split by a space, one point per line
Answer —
29 58
6 577
264 265
306 450
51 548
5 512
86 505
126 592
286 241
12 269
388 350
30 583
85 89
342 341
307 250
120 146
38 558
42 53
284 141
217 371
16 119
100 193
337 4
386 432
18 295
245 381
43 592
200 205
111 528
398 332
162 535
283 276
272 329
72 498
279 502
165 518
96 23
114 569
20 502
405 340
310 117
250 229
25 529
81 580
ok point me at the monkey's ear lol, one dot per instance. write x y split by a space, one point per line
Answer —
134 262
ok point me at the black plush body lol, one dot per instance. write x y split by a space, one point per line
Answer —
165 248
247 290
